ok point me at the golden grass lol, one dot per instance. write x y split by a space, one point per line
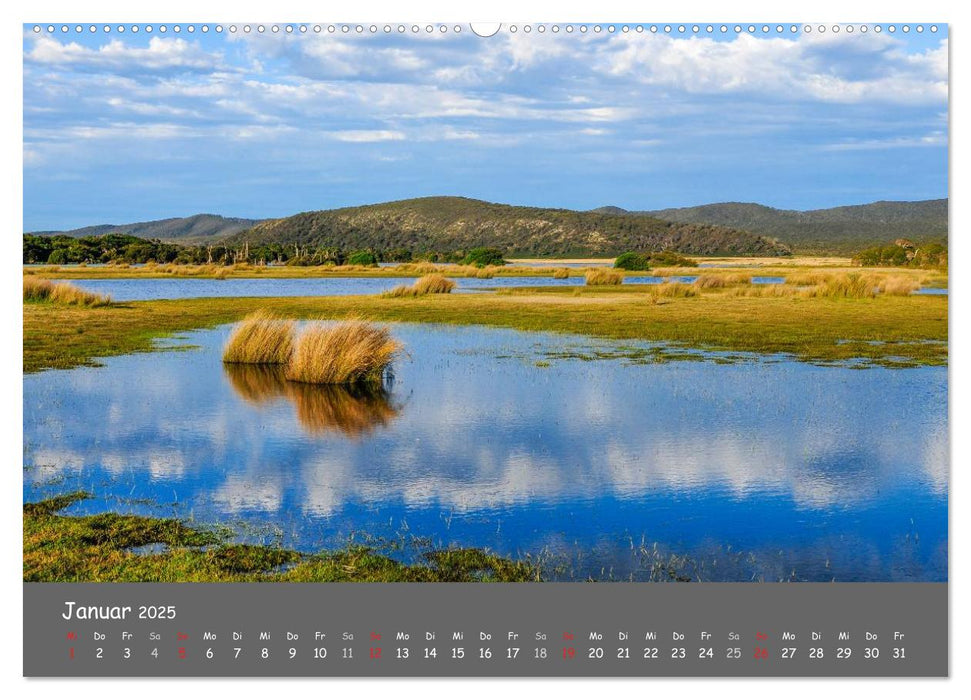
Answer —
846 286
671 271
768 290
260 339
343 353
808 279
422 268
899 286
434 284
561 273
603 276
429 284
673 290
37 290
712 281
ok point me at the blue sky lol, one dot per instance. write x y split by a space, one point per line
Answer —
122 127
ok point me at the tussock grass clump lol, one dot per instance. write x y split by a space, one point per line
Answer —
807 279
847 286
899 286
767 290
345 353
673 290
422 268
434 284
429 284
711 282
603 276
561 273
37 289
260 339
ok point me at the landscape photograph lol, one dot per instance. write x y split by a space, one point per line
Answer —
568 303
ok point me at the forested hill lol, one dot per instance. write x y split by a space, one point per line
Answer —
201 228
836 230
457 223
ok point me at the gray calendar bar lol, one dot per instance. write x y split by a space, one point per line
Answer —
571 629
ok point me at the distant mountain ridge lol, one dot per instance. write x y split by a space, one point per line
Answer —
459 223
845 229
200 228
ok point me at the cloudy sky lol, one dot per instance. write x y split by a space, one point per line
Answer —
122 127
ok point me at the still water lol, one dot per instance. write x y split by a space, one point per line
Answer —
187 288
763 468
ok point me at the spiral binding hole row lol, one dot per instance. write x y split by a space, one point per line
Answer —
457 29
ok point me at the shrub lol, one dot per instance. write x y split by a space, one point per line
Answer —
632 261
480 257
343 353
363 257
603 276
260 339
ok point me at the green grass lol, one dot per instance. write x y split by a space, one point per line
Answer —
813 329
98 548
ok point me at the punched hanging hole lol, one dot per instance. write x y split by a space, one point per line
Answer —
485 30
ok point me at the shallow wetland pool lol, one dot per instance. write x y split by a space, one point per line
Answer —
598 458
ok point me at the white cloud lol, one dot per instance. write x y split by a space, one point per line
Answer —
936 138
368 136
117 54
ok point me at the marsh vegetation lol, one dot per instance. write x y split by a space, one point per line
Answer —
428 284
37 289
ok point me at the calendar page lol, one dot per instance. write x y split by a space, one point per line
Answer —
520 349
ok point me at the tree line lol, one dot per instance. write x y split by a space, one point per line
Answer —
123 248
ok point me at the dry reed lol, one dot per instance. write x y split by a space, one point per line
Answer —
343 353
260 339
429 284
603 276
899 286
673 290
37 289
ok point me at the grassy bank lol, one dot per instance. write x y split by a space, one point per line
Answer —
99 548
539 268
889 330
